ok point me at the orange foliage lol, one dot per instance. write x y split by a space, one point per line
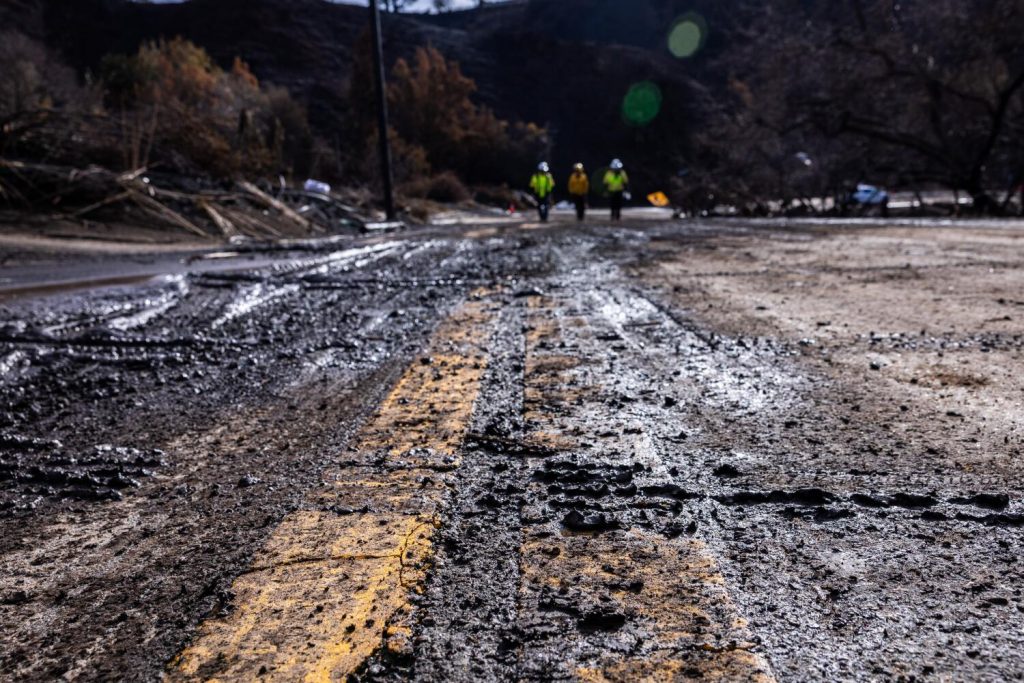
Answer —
177 103
436 125
432 107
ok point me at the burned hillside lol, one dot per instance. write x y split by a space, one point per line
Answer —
772 104
575 88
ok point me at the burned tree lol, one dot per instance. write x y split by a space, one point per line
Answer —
909 93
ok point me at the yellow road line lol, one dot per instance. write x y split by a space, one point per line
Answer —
669 591
551 388
329 589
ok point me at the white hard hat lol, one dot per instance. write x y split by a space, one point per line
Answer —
617 165
543 167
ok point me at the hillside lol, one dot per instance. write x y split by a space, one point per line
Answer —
532 61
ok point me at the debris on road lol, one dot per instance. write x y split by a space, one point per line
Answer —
204 210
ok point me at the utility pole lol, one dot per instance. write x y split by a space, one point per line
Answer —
382 110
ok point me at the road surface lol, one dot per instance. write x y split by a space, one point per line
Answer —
654 451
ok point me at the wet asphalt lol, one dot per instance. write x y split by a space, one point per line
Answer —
160 416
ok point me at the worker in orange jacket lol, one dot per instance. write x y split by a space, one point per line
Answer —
579 188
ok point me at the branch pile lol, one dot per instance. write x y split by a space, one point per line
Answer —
232 210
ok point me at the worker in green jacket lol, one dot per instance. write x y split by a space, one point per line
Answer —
542 184
616 184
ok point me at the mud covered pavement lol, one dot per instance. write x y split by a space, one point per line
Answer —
720 451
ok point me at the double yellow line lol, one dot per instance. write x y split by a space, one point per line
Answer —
332 584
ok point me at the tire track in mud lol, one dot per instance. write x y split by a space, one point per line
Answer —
587 583
610 591
331 585
167 337
561 552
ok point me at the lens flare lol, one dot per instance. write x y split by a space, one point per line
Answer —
642 104
687 36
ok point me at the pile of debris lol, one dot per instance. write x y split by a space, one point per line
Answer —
229 210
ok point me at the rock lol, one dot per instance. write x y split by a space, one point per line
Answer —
911 500
602 621
600 522
991 501
489 500
726 471
15 598
808 496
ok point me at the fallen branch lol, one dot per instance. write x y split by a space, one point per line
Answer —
103 202
131 175
271 203
251 224
166 213
9 193
222 223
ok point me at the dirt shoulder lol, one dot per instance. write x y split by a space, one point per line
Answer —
929 320
867 427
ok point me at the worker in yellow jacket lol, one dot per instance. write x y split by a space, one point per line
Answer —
579 188
616 184
542 184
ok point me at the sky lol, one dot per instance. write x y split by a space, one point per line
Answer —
418 6
422 5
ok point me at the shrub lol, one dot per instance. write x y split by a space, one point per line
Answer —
500 196
177 106
32 79
432 107
36 87
409 162
433 114
445 188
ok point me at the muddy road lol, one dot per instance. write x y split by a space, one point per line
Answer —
722 451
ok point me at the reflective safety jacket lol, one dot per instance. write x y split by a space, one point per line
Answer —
542 184
616 181
579 184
